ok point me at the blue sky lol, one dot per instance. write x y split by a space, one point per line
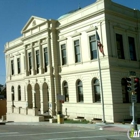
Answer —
15 13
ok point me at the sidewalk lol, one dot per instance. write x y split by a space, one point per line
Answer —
99 126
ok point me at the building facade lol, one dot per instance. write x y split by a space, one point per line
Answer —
59 57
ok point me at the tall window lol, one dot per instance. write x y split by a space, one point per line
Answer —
93 46
37 61
63 52
77 51
96 87
119 41
18 65
30 62
45 58
12 95
132 48
80 97
125 94
12 67
65 91
19 93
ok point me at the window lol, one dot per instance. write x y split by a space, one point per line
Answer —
18 65
12 67
45 58
19 93
30 62
37 61
96 87
63 52
93 47
77 51
119 42
12 96
80 97
132 48
65 91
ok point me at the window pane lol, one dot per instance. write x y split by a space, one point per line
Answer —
77 50
63 53
119 42
76 42
93 45
97 90
132 48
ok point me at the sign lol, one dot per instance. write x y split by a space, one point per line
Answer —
60 97
134 98
132 73
133 134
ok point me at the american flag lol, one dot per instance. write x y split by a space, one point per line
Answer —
99 44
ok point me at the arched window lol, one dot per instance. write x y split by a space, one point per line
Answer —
96 90
13 94
19 93
65 91
80 97
125 95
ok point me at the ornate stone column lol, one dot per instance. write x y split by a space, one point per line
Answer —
40 57
26 62
33 61
41 101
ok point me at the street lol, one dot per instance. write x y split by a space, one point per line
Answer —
50 132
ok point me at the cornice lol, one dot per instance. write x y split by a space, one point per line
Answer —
13 46
100 12
35 34
121 15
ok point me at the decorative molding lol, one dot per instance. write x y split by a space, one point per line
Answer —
17 54
62 38
91 28
11 55
76 34
34 23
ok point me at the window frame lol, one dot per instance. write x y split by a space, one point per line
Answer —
46 62
18 65
19 93
63 58
30 61
65 88
80 95
37 54
132 51
92 57
120 46
76 54
97 97
12 67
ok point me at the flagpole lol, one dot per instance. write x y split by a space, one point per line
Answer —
100 81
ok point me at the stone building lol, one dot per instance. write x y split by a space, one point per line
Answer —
54 57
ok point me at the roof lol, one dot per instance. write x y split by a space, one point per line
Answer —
69 13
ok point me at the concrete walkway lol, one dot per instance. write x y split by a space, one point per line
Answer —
100 126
